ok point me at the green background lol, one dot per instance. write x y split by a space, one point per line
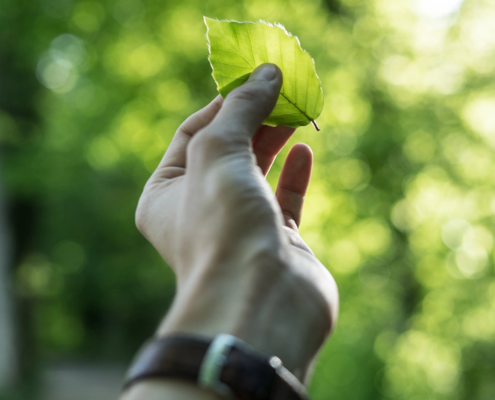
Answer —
401 207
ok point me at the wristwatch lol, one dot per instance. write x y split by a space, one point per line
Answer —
225 364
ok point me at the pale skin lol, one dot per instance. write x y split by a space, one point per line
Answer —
241 265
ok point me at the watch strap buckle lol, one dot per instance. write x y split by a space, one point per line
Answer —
213 363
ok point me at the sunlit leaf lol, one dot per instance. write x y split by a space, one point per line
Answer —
237 48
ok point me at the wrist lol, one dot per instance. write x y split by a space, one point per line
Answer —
168 389
269 306
224 365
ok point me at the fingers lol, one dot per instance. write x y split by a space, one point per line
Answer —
175 155
294 181
267 144
241 115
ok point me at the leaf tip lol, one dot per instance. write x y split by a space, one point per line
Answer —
316 125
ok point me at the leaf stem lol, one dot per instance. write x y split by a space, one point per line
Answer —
298 109
315 125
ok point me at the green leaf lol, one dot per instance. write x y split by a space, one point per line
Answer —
237 48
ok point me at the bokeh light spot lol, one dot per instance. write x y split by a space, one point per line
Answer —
438 8
173 95
68 256
479 114
453 232
129 13
419 146
344 257
102 153
53 73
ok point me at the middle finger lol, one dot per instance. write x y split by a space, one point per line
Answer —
267 144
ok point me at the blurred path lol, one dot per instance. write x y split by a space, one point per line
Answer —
82 381
8 346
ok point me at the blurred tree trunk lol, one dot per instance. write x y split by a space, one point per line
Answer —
9 363
19 52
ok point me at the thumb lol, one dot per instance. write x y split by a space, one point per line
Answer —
245 108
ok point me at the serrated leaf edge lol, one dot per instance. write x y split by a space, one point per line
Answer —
275 24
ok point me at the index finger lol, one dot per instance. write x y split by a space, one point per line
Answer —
175 156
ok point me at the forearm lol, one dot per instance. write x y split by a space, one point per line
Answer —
167 389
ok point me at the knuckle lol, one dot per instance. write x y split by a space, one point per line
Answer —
211 142
185 128
206 141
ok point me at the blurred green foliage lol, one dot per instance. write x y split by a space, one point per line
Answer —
401 207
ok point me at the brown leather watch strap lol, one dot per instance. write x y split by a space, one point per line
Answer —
247 374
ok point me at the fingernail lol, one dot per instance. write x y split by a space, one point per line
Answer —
265 72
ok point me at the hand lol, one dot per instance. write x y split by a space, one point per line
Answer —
241 266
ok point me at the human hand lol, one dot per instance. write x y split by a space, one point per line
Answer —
241 266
